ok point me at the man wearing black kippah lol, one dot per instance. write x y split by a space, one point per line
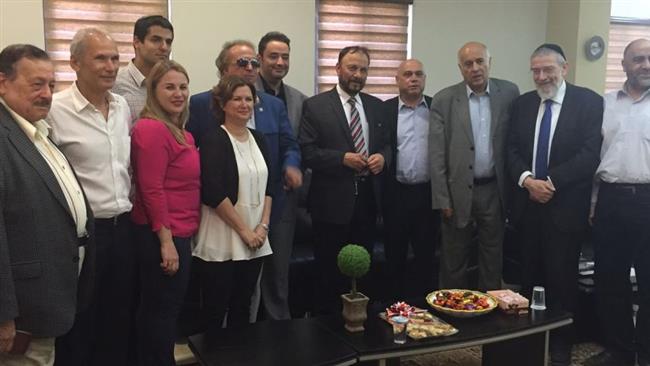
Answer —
552 153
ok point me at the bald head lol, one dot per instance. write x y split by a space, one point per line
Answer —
636 64
474 65
410 80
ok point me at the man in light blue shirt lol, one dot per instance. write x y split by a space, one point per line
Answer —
408 216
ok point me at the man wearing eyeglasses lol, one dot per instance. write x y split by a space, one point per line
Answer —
552 152
270 117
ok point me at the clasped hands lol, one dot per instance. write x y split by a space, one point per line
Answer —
540 191
255 238
359 162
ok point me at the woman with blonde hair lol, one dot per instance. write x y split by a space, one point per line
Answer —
166 173
236 207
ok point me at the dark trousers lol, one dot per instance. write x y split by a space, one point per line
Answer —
227 287
622 240
161 297
330 238
550 259
101 333
409 219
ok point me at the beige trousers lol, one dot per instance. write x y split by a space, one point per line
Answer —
39 353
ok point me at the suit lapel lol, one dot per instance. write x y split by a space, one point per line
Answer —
28 151
462 112
495 107
530 120
563 120
341 119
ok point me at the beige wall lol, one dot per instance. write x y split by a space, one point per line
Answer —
21 21
202 26
510 29
571 24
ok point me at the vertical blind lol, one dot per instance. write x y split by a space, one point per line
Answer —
62 19
381 26
620 34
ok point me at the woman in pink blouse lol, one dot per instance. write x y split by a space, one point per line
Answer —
166 208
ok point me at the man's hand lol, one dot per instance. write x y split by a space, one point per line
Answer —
447 213
7 334
539 190
355 161
376 163
292 178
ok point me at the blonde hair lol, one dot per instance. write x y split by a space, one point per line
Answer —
152 109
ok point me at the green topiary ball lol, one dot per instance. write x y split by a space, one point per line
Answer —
353 261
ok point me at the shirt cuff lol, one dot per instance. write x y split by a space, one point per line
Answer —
523 177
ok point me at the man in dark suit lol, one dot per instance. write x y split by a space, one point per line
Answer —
406 201
273 52
552 153
46 259
467 142
344 141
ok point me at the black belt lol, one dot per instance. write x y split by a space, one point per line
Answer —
484 181
632 188
112 221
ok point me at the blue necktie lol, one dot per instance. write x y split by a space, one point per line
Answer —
543 141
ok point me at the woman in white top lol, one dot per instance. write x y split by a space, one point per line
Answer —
236 207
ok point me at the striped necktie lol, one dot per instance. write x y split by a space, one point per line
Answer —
356 129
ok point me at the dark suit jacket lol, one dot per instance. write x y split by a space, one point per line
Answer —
271 120
390 181
39 284
324 139
575 154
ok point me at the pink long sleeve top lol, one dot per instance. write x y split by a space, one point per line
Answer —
167 179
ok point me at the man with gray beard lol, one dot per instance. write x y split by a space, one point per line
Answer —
552 154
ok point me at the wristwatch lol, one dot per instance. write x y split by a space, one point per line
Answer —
264 226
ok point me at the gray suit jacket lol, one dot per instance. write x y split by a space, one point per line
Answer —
39 258
295 98
451 146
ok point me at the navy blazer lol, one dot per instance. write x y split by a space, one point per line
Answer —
271 120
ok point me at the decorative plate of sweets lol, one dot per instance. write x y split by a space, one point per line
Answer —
462 303
422 324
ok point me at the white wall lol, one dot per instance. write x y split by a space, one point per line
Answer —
202 26
510 29
21 21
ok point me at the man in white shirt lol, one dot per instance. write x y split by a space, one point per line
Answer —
622 214
152 40
46 259
91 127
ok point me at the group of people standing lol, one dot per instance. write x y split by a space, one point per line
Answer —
114 188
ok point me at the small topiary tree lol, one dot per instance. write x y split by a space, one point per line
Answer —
354 262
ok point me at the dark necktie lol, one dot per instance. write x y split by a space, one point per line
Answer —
356 129
543 142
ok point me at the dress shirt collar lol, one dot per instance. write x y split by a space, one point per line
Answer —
400 103
137 76
29 128
80 102
345 96
470 91
559 96
623 93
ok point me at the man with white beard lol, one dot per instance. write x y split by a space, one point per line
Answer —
552 154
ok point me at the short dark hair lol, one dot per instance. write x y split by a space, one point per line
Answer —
143 24
272 36
11 54
224 91
354 49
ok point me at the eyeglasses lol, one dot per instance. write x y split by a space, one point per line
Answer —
244 61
